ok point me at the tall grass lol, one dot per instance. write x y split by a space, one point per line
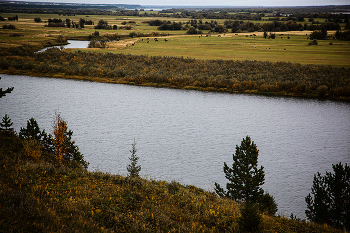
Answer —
39 196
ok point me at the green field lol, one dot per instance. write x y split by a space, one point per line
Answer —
229 46
239 47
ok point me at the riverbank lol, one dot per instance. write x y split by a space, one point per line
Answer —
253 77
38 195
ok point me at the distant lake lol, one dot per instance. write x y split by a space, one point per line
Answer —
72 44
187 136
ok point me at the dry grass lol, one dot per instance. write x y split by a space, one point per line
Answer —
39 196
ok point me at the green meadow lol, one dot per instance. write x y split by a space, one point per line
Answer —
226 46
247 47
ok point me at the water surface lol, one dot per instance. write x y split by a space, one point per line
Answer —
72 44
186 136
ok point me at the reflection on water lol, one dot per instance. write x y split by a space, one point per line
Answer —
187 135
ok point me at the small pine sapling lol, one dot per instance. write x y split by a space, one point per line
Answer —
133 168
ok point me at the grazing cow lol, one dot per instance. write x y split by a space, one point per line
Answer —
165 40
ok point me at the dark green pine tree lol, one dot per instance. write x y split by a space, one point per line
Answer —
244 177
329 201
250 217
133 168
32 131
6 123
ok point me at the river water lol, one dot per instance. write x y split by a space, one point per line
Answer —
72 44
186 136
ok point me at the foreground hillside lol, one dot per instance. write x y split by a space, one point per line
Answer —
36 195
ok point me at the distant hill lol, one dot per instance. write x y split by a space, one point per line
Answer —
65 5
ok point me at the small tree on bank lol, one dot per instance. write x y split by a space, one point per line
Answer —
6 123
244 177
329 201
65 149
133 168
59 129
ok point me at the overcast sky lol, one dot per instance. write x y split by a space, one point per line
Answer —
211 2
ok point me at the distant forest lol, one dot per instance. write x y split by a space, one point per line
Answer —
236 13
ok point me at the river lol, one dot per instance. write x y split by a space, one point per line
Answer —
187 136
72 44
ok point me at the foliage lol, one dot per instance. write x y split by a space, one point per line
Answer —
278 78
32 149
272 35
193 30
6 123
345 35
313 42
319 35
61 39
133 168
267 204
10 26
244 177
65 149
250 217
37 19
102 24
97 44
265 34
33 132
59 131
329 201
156 22
37 196
170 26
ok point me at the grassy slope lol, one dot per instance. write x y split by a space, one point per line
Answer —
39 196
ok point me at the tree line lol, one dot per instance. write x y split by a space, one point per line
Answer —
247 13
235 26
278 78
38 145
